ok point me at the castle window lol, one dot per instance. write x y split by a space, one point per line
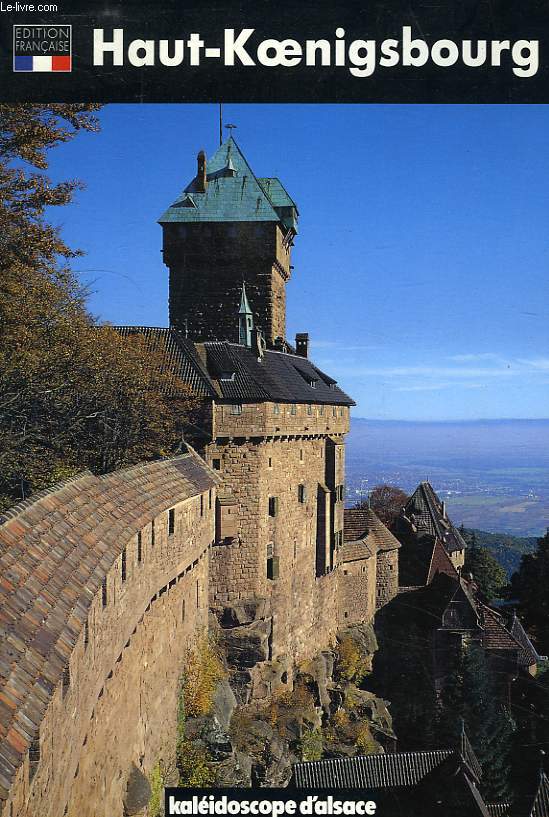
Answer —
276 408
341 411
321 411
334 411
293 409
152 533
236 408
139 547
309 409
201 504
66 680
302 493
34 750
270 550
34 759
301 455
210 499
183 610
171 522
273 505
272 563
104 591
86 633
270 462
312 384
216 464
123 567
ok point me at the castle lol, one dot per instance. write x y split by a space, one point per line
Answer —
104 580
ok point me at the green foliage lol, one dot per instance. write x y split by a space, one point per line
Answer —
530 585
311 744
471 694
194 765
488 574
157 782
505 548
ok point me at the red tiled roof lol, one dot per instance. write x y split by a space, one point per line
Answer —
54 551
363 524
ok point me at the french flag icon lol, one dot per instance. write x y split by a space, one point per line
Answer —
27 63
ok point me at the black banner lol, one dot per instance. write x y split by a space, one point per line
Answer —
200 51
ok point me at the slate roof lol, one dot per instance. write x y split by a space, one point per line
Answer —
54 552
528 654
369 771
364 535
227 371
233 193
278 377
427 510
540 805
180 355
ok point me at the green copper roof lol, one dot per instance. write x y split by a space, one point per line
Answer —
233 193
245 308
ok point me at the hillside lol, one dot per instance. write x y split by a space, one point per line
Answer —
505 548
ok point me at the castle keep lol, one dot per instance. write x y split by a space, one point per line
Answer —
104 581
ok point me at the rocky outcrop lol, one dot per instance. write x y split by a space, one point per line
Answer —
270 713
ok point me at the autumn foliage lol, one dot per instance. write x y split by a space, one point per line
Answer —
73 395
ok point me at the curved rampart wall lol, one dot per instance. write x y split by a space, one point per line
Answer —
103 584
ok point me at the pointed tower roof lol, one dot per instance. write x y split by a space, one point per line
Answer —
233 193
245 308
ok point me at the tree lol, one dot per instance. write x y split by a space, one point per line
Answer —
530 585
387 503
72 394
470 697
488 574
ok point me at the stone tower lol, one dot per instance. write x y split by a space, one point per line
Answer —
226 228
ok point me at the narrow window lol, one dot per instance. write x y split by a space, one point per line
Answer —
302 493
201 504
334 411
236 408
86 633
321 411
216 464
210 499
104 591
171 522
183 610
273 505
123 565
301 455
139 548
66 680
152 533
34 750
293 409
276 408
270 462
309 409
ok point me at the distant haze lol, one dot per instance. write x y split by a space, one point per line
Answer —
494 474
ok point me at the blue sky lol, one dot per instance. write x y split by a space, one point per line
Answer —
421 267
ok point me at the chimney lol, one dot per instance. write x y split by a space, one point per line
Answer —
201 179
302 344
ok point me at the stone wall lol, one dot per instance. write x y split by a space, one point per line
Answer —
357 591
386 577
208 263
303 604
114 706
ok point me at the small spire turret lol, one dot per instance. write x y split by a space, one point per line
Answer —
245 320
